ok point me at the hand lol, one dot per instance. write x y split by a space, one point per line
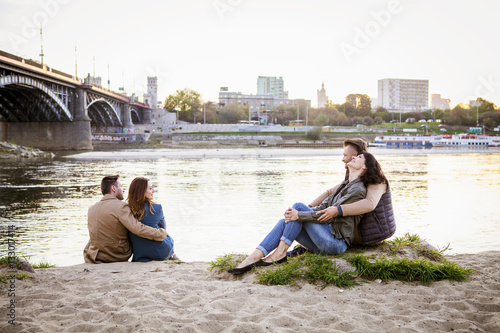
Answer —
291 215
327 214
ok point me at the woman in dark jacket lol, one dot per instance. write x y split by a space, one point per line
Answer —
140 201
301 222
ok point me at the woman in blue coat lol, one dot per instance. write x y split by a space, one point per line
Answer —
140 201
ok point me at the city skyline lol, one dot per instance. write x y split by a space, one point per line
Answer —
205 45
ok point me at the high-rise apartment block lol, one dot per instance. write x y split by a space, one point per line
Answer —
271 85
322 98
439 103
403 94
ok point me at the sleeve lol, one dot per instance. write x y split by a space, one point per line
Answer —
352 194
134 226
323 196
161 221
373 194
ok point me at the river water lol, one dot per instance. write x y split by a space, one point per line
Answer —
220 201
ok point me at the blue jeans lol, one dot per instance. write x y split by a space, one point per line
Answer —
317 237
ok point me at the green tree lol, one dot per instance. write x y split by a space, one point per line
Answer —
231 113
485 106
365 105
320 120
283 114
383 114
439 114
362 104
189 103
460 115
314 134
348 109
210 112
490 119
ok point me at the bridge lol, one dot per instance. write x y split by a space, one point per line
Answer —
45 108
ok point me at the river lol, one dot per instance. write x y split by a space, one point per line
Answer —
219 201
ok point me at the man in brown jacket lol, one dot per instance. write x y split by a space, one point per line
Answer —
108 222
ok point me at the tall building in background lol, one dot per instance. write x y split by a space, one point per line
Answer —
151 98
439 103
322 98
403 94
271 85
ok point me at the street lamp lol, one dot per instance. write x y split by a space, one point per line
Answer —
307 113
41 43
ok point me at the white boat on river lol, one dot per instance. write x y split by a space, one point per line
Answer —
403 140
455 140
461 140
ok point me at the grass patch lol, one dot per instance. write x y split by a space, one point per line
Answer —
408 269
316 269
43 264
322 269
397 244
18 276
8 261
284 274
223 263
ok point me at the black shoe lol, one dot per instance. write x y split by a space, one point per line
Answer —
297 251
244 269
282 260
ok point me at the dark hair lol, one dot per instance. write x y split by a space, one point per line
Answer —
137 197
373 174
358 144
107 182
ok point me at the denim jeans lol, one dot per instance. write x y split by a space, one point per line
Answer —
282 231
317 237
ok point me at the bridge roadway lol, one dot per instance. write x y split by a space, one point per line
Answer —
45 108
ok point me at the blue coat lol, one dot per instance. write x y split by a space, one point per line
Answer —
145 249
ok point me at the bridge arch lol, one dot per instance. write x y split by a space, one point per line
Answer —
103 113
18 91
134 115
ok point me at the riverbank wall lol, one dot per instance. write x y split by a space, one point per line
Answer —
282 139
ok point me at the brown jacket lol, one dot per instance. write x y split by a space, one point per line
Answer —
108 221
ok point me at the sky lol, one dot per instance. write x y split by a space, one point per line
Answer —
207 44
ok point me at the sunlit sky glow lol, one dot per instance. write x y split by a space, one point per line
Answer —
206 44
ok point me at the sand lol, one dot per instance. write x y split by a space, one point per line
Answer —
187 297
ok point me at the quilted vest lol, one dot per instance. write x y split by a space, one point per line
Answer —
378 224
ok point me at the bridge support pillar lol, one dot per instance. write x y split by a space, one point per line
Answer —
3 129
128 125
146 116
52 135
80 109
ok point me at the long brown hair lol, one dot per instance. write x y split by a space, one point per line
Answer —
373 174
137 197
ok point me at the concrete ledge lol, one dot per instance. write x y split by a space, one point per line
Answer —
229 139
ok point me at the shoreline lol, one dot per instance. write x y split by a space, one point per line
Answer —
187 297
237 151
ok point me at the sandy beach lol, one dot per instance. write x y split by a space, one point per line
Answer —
187 297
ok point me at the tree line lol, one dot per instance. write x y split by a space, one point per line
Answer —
355 110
